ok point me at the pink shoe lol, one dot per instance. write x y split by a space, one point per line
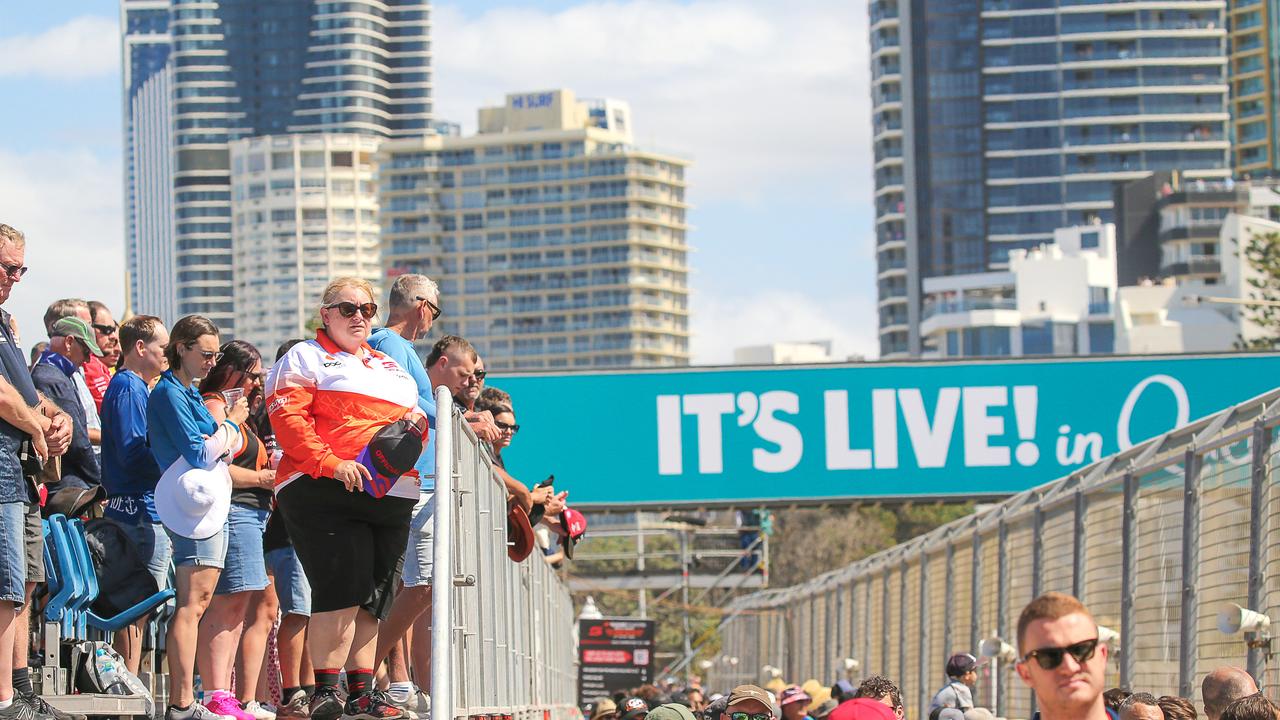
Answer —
221 702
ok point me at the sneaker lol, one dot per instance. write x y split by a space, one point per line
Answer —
19 710
259 711
195 712
424 703
324 704
41 707
221 702
295 709
374 705
408 707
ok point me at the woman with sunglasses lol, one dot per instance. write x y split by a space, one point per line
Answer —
238 374
326 398
179 426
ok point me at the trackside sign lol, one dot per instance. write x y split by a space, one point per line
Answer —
855 431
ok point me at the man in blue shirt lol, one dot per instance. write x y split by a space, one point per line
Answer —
414 304
129 470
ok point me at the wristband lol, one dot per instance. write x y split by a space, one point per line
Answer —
233 424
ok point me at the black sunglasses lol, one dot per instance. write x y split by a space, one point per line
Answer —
479 374
104 329
14 271
513 427
1049 658
435 309
750 716
349 309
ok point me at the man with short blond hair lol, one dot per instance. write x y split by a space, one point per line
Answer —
1061 658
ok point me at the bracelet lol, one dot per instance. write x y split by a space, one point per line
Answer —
233 424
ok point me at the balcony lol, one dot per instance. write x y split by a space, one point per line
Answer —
932 308
1195 265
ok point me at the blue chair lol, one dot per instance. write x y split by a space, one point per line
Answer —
124 618
64 604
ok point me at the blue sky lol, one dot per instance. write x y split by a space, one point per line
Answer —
770 100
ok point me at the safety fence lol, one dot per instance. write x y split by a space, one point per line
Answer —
507 649
1156 540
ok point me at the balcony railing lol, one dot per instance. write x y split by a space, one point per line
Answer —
944 307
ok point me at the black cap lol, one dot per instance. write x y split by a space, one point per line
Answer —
961 663
392 452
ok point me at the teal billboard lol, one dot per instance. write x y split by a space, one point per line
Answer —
778 434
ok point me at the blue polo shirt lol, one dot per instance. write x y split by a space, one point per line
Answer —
394 346
129 470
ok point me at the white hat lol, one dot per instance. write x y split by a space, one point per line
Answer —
193 502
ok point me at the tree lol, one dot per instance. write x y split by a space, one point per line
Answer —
1262 253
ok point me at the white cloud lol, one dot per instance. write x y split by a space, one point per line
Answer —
721 324
764 95
68 203
83 47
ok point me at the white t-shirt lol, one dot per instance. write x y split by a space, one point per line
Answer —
91 418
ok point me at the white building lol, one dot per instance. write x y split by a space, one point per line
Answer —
784 353
556 241
304 211
1053 300
1202 315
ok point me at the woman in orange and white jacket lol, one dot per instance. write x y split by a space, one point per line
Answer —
326 398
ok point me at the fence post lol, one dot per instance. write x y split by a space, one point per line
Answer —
1128 563
1187 650
1002 610
1257 530
975 591
442 557
922 657
1077 544
948 615
884 622
902 620
1037 550
866 624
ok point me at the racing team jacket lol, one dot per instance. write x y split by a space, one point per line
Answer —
325 404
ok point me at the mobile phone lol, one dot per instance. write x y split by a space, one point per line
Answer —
551 480
232 395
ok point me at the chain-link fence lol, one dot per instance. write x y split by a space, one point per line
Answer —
1156 540
503 644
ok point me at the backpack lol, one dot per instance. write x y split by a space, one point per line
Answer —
101 670
123 578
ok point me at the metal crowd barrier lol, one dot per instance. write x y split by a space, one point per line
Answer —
1156 541
503 640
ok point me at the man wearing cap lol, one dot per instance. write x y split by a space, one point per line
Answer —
793 702
634 709
71 344
962 675
671 711
604 709
748 702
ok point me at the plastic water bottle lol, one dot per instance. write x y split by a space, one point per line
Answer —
112 682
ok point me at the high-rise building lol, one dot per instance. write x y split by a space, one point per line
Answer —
244 68
304 211
998 121
148 156
1255 64
556 241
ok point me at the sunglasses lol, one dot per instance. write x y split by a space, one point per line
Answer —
1051 657
349 309
435 309
750 716
14 271
208 355
479 374
105 329
513 427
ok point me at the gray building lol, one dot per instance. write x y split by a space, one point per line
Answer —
998 121
203 73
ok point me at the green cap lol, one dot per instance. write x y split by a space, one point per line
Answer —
77 328
670 711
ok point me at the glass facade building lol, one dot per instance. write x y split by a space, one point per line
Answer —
1255 53
243 68
1018 117
556 241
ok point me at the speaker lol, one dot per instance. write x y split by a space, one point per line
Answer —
1234 618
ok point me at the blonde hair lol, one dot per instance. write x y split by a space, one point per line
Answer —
1050 606
8 233
336 286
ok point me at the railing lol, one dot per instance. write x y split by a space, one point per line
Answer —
1156 540
503 632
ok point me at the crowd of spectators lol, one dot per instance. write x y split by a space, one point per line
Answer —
1060 658
293 490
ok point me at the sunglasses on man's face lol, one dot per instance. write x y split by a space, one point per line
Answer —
1049 658
435 309
750 716
105 329
349 309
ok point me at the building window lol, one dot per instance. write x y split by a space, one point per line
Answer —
1102 338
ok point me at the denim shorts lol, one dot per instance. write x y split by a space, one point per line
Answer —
13 552
292 588
209 552
153 547
418 554
245 568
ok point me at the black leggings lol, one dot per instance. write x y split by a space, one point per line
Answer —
350 544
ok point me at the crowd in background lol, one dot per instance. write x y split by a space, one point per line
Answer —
291 489
1061 659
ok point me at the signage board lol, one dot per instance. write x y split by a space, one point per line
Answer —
873 430
613 654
